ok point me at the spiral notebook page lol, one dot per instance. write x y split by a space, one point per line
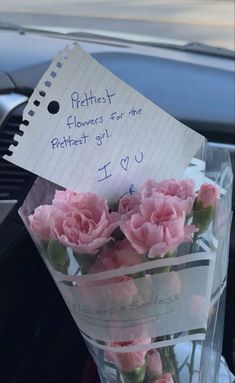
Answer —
87 130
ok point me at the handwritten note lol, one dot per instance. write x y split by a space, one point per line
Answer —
87 130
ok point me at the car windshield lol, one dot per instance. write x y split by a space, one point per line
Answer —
207 22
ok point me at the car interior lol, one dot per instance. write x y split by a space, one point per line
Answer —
39 339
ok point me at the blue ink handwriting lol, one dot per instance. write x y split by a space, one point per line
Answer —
73 122
102 136
131 190
124 163
116 117
134 112
88 99
106 174
68 141
140 158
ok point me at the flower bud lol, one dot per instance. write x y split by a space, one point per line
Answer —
154 363
205 205
166 378
135 376
208 195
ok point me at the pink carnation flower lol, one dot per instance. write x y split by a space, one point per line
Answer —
159 228
208 195
174 286
78 220
198 307
119 289
63 199
129 204
166 378
104 262
42 221
154 363
128 361
122 291
126 255
122 254
181 190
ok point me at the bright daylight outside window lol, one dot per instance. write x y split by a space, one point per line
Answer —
116 173
161 21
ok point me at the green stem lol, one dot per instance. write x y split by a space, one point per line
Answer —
174 363
193 244
85 261
191 366
169 362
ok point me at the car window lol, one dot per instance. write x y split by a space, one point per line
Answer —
177 53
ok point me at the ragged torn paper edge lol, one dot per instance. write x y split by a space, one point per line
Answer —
45 164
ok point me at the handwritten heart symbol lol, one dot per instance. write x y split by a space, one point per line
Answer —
124 163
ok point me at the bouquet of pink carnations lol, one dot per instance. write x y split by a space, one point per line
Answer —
139 275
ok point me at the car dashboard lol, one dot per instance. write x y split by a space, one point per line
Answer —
41 342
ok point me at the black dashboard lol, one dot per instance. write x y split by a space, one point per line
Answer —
192 87
197 89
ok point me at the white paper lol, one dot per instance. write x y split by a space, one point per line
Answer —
106 137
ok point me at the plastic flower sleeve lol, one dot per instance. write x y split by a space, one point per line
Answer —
145 319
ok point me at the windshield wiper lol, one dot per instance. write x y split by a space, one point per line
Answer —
118 38
12 26
208 49
155 42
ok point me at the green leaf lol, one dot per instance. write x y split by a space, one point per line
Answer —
160 270
197 331
202 216
58 257
140 274
85 261
135 376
